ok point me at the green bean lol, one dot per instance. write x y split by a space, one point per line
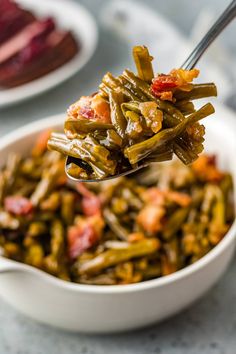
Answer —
130 106
143 62
185 155
186 107
141 150
117 117
111 83
67 207
110 139
175 222
198 91
115 225
134 125
46 183
172 252
114 256
75 171
37 228
9 174
88 150
133 200
35 255
138 83
152 271
138 95
83 126
166 155
57 238
119 205
51 203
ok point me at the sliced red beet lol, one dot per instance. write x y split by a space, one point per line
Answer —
18 205
12 19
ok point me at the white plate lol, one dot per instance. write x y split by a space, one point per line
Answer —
68 15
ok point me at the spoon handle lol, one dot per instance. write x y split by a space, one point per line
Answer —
226 17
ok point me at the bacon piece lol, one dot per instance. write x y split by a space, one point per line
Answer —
101 109
154 195
84 235
74 110
182 199
205 169
91 107
150 218
163 85
91 204
18 205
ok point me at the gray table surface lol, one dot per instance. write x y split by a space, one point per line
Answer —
209 326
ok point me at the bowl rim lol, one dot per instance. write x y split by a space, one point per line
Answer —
230 236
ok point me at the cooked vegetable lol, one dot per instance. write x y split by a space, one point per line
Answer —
134 120
117 232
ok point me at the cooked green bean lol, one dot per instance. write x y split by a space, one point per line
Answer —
198 91
117 118
141 150
143 62
114 224
115 256
74 127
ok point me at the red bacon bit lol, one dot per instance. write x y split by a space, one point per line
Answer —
18 205
154 196
182 199
163 83
84 235
87 112
80 239
91 204
150 218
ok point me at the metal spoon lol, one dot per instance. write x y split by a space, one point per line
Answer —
226 17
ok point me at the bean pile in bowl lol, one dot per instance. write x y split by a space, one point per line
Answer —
114 232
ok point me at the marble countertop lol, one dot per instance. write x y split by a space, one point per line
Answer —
208 327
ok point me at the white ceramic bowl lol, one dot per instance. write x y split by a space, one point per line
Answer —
68 15
103 309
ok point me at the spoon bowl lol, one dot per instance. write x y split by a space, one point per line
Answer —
79 162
